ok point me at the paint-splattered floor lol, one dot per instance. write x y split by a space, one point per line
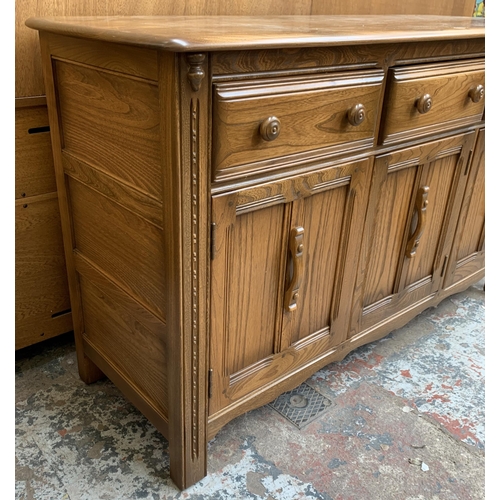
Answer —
405 421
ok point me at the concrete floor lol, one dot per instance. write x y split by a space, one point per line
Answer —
404 421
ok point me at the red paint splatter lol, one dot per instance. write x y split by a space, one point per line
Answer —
428 387
406 373
444 386
63 432
439 397
458 383
357 364
463 429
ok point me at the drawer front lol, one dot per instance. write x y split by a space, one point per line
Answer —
268 125
425 99
34 164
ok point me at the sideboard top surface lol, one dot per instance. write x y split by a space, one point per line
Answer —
204 33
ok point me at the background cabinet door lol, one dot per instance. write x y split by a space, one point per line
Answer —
280 288
467 256
413 212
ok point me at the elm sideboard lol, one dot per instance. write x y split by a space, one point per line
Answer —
246 199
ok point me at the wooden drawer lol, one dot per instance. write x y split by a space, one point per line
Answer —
34 163
264 125
42 296
424 99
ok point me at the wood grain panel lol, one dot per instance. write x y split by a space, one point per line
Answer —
234 64
29 78
254 267
33 153
111 123
128 197
312 112
323 218
127 60
131 337
41 284
439 176
448 86
368 7
418 259
391 215
472 232
467 257
125 246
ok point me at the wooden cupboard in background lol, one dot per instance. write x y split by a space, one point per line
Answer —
42 299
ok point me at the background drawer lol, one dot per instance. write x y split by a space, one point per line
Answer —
312 113
34 163
42 298
448 88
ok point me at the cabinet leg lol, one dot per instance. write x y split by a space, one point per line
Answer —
184 471
88 370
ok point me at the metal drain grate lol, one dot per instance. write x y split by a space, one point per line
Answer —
301 405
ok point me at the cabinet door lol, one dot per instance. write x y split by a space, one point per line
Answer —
468 253
412 214
279 276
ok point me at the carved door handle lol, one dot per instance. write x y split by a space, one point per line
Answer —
421 203
296 247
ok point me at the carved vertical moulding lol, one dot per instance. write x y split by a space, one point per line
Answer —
195 72
194 148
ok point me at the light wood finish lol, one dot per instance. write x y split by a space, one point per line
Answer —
42 299
313 115
390 277
339 7
29 78
206 208
199 33
467 257
425 98
256 229
34 163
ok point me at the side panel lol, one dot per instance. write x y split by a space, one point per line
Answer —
106 142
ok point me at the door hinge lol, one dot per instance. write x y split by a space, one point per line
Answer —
444 265
466 171
212 241
210 372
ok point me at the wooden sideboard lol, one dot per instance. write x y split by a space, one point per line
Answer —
42 297
245 200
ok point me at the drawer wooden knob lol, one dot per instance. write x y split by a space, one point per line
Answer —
270 128
477 93
356 115
424 104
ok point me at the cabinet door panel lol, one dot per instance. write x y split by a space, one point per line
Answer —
322 218
468 253
281 284
254 260
388 233
438 176
414 204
